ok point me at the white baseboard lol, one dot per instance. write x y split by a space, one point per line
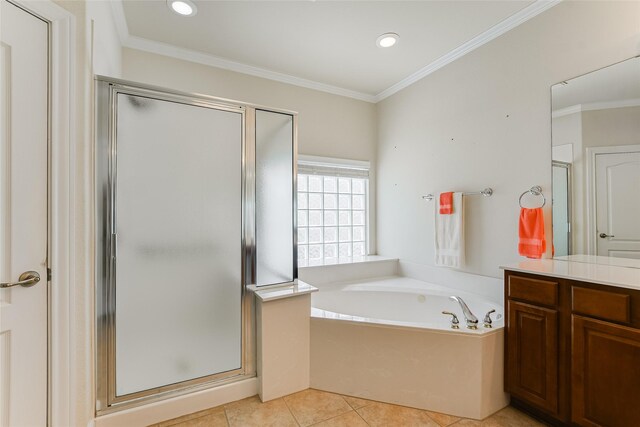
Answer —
179 406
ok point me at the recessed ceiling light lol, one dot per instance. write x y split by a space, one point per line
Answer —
387 39
182 7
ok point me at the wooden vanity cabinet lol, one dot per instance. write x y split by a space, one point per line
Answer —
572 350
606 374
536 345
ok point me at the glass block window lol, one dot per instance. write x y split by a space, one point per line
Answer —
332 214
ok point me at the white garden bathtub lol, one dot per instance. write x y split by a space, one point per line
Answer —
400 301
386 339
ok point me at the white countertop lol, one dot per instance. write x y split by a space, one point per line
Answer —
274 292
603 274
597 259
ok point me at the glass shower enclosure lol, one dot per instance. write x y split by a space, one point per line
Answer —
194 203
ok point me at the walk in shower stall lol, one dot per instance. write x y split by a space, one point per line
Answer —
194 203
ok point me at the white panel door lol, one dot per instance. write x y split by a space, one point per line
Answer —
618 204
23 217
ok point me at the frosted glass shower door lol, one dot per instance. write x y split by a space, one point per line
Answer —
177 207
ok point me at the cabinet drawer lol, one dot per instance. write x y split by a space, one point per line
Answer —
533 290
602 304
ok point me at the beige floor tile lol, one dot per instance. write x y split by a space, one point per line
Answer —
350 419
251 412
312 406
323 409
443 420
468 423
239 407
507 417
210 418
510 417
383 414
356 402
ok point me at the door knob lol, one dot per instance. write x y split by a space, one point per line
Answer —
604 235
26 279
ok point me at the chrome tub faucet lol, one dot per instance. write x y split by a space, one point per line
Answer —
472 321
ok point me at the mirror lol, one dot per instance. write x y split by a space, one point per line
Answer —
596 166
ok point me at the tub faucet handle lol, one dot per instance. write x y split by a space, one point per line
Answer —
487 319
454 319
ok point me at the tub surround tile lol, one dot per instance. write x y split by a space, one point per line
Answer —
312 406
356 402
251 412
394 364
443 420
380 414
350 419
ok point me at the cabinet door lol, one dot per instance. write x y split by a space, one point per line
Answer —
605 374
532 359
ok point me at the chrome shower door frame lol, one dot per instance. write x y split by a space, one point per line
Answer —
105 159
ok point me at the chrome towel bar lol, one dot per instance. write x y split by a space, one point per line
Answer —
487 192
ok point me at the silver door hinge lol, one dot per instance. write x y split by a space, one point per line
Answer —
48 274
114 245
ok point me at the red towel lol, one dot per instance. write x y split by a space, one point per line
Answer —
532 243
446 203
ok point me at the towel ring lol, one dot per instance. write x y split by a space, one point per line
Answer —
536 191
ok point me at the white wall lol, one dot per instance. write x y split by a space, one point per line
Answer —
107 50
484 121
610 127
96 50
328 125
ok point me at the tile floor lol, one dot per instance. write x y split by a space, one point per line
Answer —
318 408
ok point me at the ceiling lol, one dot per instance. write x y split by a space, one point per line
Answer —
327 45
618 84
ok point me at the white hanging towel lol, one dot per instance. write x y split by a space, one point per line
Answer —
449 235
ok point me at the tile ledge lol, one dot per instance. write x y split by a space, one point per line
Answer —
276 292
349 261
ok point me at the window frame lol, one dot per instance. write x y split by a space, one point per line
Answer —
339 168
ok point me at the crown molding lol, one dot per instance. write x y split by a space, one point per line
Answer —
117 10
225 64
165 49
592 106
566 111
497 30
